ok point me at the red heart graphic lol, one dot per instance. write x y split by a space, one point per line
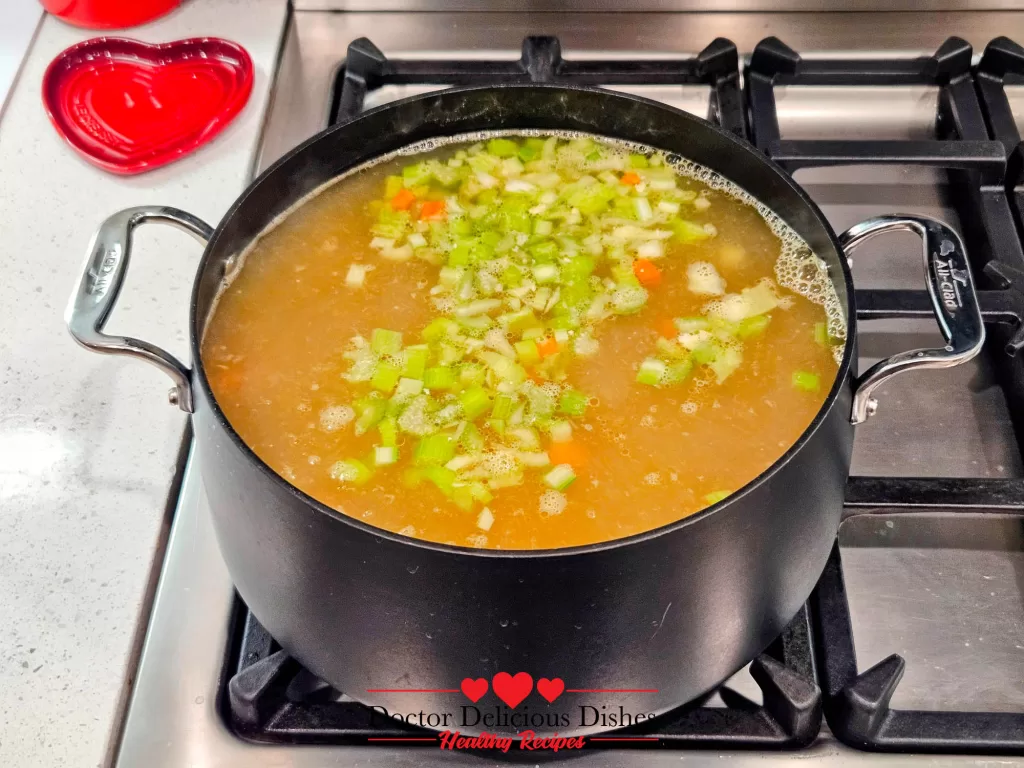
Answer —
474 689
550 689
512 689
129 107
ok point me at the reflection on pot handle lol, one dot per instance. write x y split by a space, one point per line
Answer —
100 283
954 301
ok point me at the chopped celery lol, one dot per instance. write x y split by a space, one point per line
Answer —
463 497
560 431
527 153
821 334
471 440
753 326
475 401
651 372
543 252
471 374
409 387
439 377
517 322
388 429
592 199
545 273
386 376
677 372
628 299
434 449
438 328
502 147
390 223
392 186
689 232
503 405
442 477
385 342
350 471
726 362
691 324
543 228
807 381
415 361
415 175
560 478
527 351
578 267
384 455
511 276
716 496
573 403
368 412
505 368
638 161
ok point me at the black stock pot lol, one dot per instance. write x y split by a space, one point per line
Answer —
666 615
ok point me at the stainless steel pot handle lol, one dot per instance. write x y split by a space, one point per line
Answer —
100 283
954 301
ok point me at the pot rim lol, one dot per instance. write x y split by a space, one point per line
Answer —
740 146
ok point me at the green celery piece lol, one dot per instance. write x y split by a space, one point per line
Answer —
369 411
517 322
390 223
461 227
807 381
624 207
385 342
573 403
472 441
677 372
515 220
461 255
578 267
439 328
753 326
388 432
725 363
438 448
651 372
416 361
475 401
502 147
412 477
351 471
544 252
691 324
527 153
386 376
471 374
593 199
716 496
541 404
638 161
463 497
392 186
821 334
689 232
576 292
563 321
480 492
527 351
442 477
503 405
439 377
705 353
512 276
498 425
415 175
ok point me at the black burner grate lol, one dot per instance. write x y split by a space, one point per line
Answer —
270 698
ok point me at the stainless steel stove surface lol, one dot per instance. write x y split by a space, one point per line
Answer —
930 558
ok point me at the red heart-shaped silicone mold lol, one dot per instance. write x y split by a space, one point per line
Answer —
128 106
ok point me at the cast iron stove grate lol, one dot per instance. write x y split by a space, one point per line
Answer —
857 705
271 698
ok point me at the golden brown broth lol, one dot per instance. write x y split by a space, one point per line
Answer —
273 354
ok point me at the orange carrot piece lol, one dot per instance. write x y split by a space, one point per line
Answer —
432 209
630 178
403 200
667 328
570 452
647 272
547 346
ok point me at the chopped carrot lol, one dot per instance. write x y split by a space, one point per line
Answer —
403 200
570 452
547 347
630 178
647 272
667 328
432 209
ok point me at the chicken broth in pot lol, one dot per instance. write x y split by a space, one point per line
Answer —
524 342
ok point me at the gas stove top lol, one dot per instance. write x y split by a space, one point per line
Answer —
913 641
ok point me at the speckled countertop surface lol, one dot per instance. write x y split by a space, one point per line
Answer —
88 444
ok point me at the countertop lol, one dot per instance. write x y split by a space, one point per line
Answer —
89 447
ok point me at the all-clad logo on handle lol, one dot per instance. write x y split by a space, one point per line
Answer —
948 277
103 274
